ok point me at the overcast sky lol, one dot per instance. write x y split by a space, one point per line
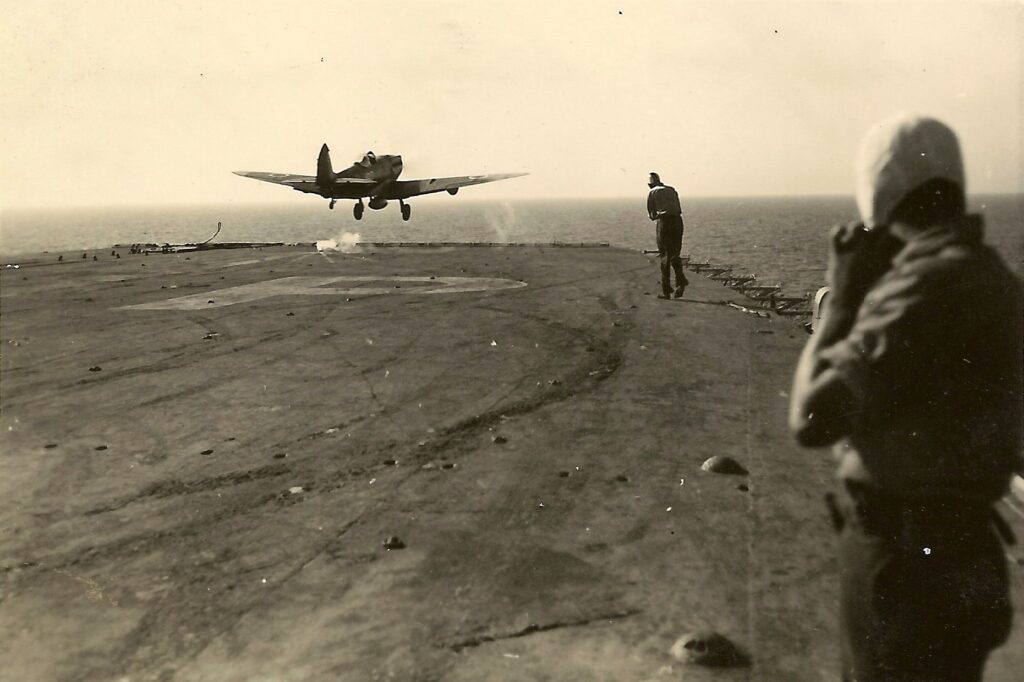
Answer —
111 102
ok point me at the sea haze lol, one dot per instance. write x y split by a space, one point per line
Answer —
780 239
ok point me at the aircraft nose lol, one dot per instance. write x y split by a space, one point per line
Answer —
397 164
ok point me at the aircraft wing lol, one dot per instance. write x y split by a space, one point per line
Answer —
403 189
303 183
307 183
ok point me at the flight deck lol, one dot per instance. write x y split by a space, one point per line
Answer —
405 462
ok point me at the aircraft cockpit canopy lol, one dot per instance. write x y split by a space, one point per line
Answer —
369 158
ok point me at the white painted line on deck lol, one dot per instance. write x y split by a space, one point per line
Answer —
321 286
254 261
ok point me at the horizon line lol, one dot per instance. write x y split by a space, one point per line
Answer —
469 200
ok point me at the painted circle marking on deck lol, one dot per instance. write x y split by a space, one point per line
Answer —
322 286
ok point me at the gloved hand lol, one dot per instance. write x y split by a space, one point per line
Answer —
858 257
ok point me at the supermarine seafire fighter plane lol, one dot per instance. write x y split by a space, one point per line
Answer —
374 178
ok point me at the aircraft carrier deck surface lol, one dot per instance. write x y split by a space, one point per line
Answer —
204 455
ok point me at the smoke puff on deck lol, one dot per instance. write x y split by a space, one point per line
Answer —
346 242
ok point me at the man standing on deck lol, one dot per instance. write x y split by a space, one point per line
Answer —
663 206
916 370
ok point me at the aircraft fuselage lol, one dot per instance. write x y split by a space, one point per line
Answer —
382 170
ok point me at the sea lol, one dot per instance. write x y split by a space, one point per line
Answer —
780 240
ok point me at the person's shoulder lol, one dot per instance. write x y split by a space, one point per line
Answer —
954 274
964 263
919 276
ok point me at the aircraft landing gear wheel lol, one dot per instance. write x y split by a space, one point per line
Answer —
406 211
331 205
357 211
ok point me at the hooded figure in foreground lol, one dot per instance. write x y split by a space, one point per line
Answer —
915 374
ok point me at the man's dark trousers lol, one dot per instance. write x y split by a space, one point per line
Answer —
670 242
924 591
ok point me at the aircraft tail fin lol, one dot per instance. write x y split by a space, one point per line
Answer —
324 171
